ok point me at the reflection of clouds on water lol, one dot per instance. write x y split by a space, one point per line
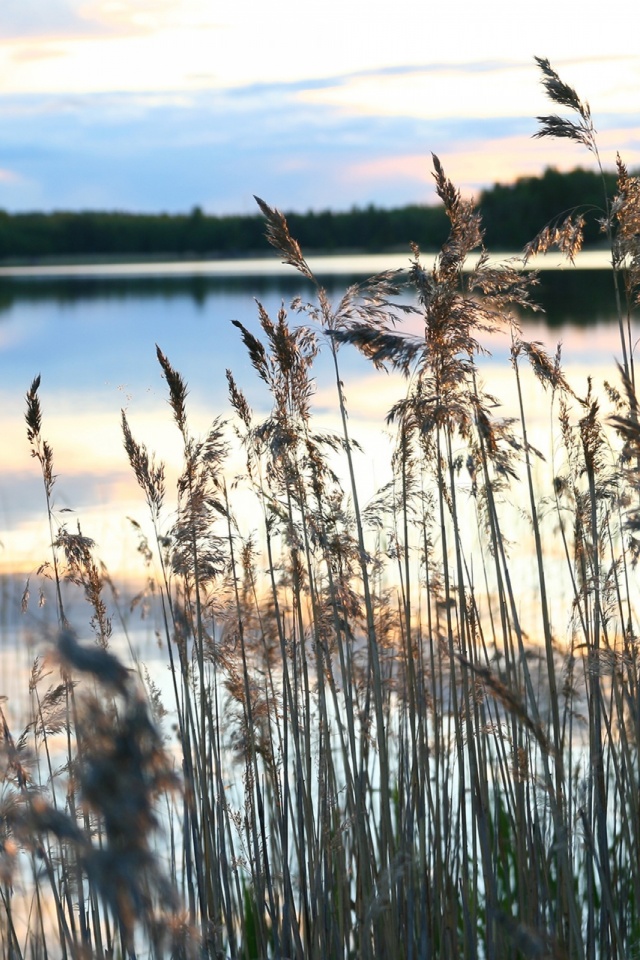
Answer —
96 353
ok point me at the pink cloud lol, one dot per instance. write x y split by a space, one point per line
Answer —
9 176
477 164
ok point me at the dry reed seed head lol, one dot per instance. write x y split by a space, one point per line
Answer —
279 237
40 449
26 596
8 859
149 474
562 129
15 755
327 317
46 459
546 370
520 765
560 92
591 434
503 287
123 768
134 888
257 352
104 666
33 415
625 217
445 189
386 350
177 391
421 279
212 454
368 302
238 401
194 541
40 817
511 700
38 673
572 236
625 207
292 354
567 237
466 230
52 717
183 936
320 313
628 426
77 550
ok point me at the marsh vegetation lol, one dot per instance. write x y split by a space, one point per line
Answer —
389 741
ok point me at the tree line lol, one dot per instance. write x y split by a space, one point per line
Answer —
512 215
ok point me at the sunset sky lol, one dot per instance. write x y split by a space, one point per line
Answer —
159 105
163 104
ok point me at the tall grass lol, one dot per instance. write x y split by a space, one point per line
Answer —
391 744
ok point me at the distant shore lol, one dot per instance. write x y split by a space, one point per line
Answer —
511 215
348 264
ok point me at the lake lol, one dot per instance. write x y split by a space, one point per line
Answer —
90 332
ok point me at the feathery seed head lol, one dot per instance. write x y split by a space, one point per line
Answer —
177 390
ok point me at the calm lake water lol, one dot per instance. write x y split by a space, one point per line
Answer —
90 332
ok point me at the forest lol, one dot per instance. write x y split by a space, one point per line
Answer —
511 214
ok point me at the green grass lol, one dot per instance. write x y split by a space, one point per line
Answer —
385 749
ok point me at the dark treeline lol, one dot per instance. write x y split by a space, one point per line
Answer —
568 297
512 216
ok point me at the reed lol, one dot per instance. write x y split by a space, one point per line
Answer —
390 744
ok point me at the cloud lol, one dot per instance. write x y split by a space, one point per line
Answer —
79 19
8 176
151 44
474 89
55 18
154 151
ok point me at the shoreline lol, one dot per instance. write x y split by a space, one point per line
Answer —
268 265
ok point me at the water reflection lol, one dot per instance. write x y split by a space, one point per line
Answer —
576 298
199 289
93 341
568 297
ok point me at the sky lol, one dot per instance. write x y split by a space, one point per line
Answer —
161 105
